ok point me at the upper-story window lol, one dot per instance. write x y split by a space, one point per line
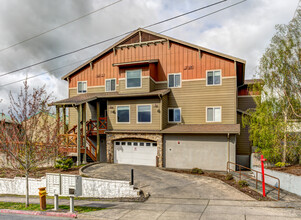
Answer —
174 80
110 85
144 113
174 115
214 77
214 114
133 79
123 114
82 87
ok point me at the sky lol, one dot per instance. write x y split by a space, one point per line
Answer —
243 31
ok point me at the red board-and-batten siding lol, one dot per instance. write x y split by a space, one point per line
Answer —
171 60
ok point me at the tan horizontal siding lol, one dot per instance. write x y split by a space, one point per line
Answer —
164 111
133 125
194 96
243 144
145 86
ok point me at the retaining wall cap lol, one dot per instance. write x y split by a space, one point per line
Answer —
81 170
23 212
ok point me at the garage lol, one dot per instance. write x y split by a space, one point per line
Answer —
135 152
208 152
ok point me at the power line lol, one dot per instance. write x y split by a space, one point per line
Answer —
70 64
45 32
119 35
202 16
109 39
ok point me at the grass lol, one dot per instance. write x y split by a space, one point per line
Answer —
36 207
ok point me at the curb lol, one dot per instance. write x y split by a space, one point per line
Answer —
54 214
81 170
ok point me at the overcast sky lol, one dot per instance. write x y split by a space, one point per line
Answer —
243 31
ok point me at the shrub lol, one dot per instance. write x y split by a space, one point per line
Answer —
197 171
229 176
280 164
64 164
243 183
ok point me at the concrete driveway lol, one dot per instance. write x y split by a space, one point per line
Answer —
163 184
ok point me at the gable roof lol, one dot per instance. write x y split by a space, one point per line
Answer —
159 36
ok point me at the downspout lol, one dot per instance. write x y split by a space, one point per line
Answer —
159 158
228 137
160 97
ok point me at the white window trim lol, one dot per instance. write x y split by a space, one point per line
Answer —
117 115
106 85
126 81
175 122
151 112
213 77
86 87
213 114
180 80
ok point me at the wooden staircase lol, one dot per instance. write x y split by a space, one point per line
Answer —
68 144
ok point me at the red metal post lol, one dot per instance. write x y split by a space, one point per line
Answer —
262 171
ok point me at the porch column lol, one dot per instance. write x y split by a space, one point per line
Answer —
64 120
84 132
98 124
58 131
79 112
58 118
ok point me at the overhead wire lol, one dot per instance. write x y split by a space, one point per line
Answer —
59 26
104 41
131 32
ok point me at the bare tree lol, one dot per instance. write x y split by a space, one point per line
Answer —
31 139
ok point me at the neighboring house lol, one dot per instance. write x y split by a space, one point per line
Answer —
154 100
44 117
246 100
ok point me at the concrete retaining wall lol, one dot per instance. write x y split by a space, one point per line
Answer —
288 182
91 187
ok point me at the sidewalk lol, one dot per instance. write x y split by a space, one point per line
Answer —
173 208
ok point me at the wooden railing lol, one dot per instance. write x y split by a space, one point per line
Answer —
91 127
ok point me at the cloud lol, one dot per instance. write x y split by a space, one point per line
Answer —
243 31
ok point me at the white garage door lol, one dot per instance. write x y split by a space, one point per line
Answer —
137 153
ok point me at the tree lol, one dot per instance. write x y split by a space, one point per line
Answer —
31 139
280 71
280 66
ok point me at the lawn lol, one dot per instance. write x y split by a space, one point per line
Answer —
36 207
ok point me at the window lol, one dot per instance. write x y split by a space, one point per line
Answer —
214 77
141 144
148 144
117 143
110 85
214 114
123 143
135 143
144 113
154 144
133 79
174 80
129 143
174 115
123 114
82 87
